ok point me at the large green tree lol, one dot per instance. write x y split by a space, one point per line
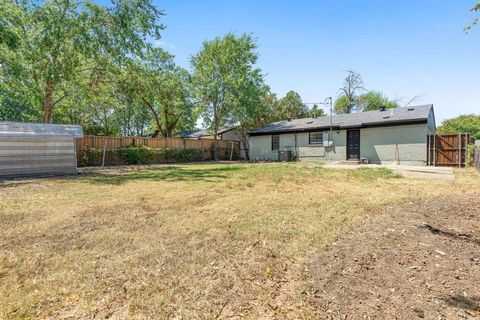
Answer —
164 89
469 123
347 101
292 106
316 112
59 42
227 83
373 100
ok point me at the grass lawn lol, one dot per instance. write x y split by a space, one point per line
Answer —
186 241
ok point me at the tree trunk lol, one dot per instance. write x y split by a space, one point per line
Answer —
244 143
155 117
215 146
216 124
48 102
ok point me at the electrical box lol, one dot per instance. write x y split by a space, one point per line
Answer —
327 139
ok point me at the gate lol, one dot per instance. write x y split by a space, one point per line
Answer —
447 150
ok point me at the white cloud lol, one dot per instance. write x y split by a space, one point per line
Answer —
164 44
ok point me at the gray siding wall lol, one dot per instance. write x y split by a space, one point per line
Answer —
36 156
378 145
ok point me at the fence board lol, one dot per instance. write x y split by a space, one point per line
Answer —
204 147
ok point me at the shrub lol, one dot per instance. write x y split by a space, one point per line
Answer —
135 155
143 155
470 155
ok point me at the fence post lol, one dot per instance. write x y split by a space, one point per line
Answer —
104 150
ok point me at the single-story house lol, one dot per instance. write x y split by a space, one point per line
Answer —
385 136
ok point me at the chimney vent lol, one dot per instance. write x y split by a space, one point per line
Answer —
289 119
382 108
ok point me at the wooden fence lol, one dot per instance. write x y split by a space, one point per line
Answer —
447 150
476 158
227 150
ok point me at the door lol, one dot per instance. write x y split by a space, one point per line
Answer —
353 144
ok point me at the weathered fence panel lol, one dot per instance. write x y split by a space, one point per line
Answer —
447 150
90 149
476 158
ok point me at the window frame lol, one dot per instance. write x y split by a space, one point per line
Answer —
277 142
315 143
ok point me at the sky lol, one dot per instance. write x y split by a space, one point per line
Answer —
406 49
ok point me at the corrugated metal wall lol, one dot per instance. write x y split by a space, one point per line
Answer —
37 150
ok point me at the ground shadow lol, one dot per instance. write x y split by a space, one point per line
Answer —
462 302
170 173
453 235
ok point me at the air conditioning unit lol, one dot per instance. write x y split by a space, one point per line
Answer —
285 155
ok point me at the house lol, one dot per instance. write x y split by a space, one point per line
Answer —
195 134
37 149
385 136
223 134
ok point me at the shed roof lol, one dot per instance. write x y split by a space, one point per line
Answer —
351 120
40 130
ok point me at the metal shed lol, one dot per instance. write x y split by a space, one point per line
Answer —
37 149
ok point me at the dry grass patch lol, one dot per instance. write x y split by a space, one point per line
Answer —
191 241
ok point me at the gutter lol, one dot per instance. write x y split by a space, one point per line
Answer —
339 127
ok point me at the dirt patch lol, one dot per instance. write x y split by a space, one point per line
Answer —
417 261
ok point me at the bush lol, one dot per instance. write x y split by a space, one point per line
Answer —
138 155
135 155
470 155
143 155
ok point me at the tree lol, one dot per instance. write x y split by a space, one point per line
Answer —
62 41
163 89
226 81
316 112
349 93
469 123
291 106
475 8
373 100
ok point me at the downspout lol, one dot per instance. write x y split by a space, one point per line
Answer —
295 147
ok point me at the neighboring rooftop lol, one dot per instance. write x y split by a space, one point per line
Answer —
194 134
351 120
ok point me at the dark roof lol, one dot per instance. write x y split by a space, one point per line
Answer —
411 114
193 134
41 130
200 133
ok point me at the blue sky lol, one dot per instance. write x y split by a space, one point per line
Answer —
403 48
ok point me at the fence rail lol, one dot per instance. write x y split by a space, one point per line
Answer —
90 148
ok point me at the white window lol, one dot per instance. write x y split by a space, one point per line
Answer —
315 138
320 138
275 142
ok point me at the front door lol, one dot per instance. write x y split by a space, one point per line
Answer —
353 144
